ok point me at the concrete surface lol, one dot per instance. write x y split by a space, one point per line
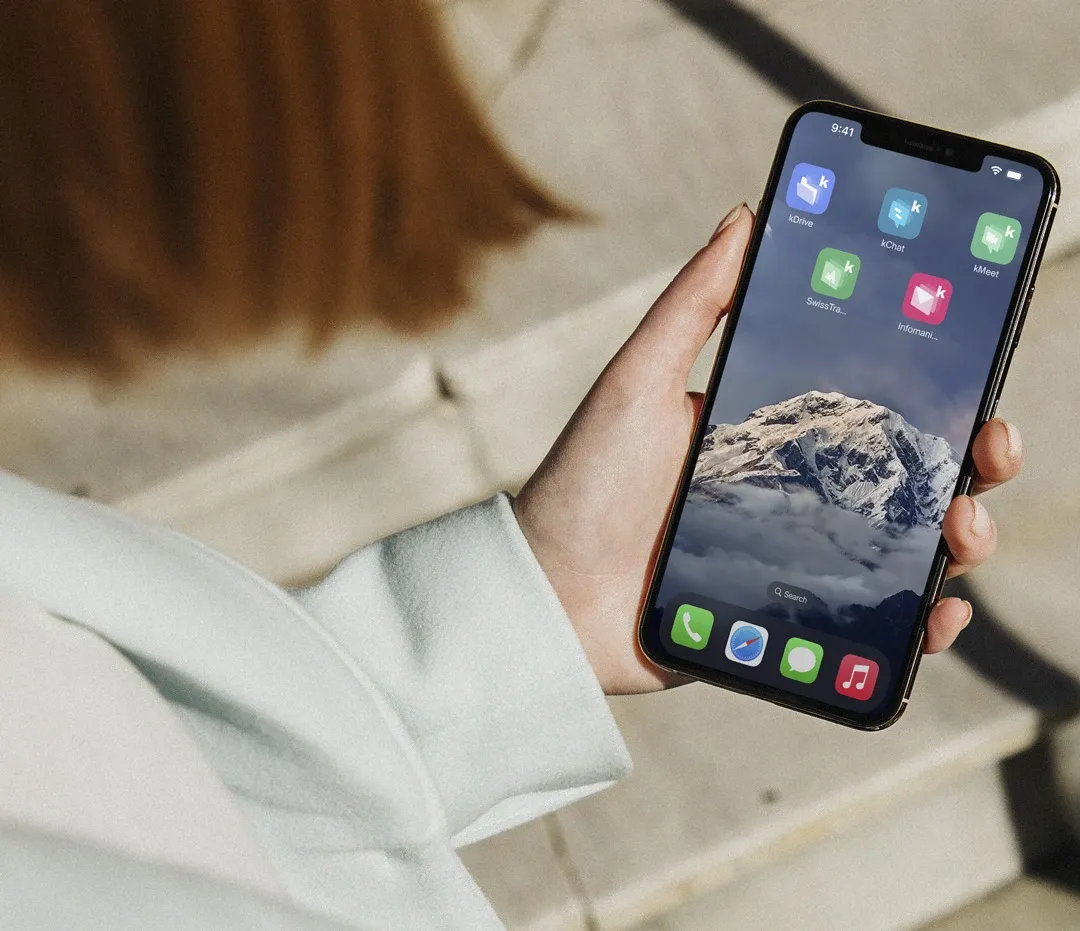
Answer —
1048 901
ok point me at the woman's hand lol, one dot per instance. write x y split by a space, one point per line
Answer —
594 511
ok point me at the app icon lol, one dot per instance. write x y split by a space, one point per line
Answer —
692 627
857 677
996 238
927 298
802 660
902 213
810 188
835 273
746 643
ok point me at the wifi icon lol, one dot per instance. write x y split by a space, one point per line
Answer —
996 169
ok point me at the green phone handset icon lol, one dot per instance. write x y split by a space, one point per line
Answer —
692 627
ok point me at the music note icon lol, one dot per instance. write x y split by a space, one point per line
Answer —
857 677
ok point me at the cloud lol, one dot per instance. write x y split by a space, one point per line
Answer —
732 550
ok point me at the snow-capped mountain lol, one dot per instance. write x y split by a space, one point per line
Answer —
851 453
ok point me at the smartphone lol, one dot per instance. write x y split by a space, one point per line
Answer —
882 296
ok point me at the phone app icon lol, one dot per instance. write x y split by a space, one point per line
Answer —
692 627
746 643
996 238
857 677
802 660
902 213
927 298
810 188
835 273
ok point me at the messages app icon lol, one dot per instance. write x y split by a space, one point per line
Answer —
996 238
810 188
802 660
835 273
902 213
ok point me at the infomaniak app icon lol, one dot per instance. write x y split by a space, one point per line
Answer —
902 213
810 188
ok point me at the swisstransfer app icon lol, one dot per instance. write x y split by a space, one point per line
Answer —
835 273
902 213
810 188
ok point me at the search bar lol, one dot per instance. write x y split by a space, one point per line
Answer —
793 596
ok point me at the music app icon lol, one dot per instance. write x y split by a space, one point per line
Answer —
857 677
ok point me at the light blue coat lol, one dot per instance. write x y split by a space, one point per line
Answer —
429 693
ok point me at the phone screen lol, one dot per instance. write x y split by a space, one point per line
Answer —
849 396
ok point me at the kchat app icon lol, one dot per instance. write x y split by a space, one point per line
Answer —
746 643
692 627
996 238
902 213
927 298
810 188
835 273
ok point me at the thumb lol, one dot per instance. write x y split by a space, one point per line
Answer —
683 318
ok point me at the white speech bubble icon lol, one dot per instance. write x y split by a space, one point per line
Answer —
801 659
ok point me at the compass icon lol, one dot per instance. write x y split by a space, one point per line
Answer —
746 643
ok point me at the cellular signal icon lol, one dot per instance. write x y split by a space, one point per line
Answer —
996 169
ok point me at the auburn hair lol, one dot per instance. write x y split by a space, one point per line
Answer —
193 173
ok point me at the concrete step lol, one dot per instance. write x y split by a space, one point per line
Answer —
751 808
1046 900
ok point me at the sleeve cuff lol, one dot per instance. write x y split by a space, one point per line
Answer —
457 623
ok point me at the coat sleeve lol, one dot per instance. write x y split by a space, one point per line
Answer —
461 631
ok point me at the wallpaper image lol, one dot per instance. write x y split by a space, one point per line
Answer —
837 431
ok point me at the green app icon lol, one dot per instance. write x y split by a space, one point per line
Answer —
835 273
802 660
996 238
692 627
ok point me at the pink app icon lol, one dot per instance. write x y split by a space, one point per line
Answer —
927 298
857 677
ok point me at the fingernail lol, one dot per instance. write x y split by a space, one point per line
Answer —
971 611
728 220
1014 447
980 519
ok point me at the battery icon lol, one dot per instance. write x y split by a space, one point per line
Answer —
1014 175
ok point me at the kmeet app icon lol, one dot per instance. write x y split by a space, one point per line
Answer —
996 238
810 188
902 213
927 298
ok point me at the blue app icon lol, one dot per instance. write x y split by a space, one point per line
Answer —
902 213
810 188
746 643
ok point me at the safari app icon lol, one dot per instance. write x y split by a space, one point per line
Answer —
927 298
810 188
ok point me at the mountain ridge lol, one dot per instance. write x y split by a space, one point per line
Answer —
852 453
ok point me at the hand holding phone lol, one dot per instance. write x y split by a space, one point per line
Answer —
594 512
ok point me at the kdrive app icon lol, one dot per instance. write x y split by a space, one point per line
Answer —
802 660
746 643
835 273
996 238
692 627
927 298
810 188
902 213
